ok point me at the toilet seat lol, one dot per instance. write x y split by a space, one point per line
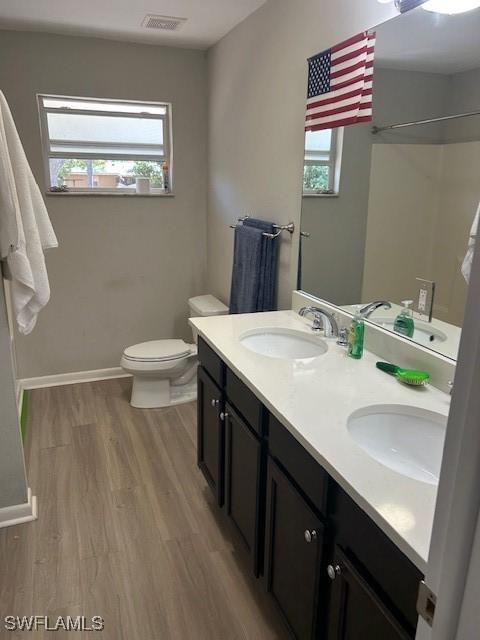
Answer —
158 351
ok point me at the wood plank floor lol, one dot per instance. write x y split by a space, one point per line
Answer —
127 526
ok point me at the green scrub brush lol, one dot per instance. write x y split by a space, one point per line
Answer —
408 376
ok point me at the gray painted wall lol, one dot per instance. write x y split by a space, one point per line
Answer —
257 88
333 270
125 266
407 96
464 96
13 486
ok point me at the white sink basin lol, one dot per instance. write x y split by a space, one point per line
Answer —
406 439
424 333
288 344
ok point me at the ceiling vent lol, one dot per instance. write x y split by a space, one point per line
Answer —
165 23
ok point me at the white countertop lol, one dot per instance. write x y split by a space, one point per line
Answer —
313 399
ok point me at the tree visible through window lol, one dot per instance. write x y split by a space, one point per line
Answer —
105 145
315 177
322 159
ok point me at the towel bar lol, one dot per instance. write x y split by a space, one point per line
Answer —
290 227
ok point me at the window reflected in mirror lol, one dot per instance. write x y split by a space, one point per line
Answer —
322 166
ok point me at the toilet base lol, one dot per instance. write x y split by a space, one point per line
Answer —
154 393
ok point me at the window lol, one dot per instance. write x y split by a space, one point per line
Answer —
92 145
321 169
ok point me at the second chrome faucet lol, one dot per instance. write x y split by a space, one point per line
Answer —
369 308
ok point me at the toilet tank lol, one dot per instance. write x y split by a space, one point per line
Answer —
204 306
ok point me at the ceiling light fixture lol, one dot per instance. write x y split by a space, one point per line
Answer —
403 5
451 6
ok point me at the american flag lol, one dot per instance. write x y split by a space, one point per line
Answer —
340 84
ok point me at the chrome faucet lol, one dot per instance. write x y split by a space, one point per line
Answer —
321 320
369 308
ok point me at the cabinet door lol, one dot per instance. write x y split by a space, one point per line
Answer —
293 554
210 433
243 458
356 612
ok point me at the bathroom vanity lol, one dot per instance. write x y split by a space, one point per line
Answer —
339 540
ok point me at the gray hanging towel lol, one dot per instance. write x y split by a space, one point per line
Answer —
300 262
247 266
268 277
254 268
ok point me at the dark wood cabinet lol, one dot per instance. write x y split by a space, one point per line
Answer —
355 611
210 433
294 520
293 554
389 572
243 477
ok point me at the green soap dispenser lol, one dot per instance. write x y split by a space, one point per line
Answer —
356 336
404 323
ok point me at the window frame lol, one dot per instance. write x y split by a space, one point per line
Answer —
43 112
333 163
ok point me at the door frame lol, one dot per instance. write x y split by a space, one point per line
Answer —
453 562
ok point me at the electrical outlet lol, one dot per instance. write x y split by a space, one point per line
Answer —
424 302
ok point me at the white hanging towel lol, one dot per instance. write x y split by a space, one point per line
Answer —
25 228
467 262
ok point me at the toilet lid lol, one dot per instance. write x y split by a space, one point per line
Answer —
158 350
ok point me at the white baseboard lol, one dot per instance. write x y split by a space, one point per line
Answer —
19 513
75 377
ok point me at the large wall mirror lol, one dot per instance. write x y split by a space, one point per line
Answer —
387 210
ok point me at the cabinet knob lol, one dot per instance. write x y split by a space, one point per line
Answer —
215 402
223 416
334 571
310 536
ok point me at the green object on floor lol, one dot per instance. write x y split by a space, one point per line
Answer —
409 376
24 415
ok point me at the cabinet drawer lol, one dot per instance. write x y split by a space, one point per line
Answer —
390 572
211 362
302 468
246 403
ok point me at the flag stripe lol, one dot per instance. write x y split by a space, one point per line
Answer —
339 99
353 40
338 93
349 56
359 97
350 78
347 70
355 76
342 52
333 116
334 111
340 122
348 64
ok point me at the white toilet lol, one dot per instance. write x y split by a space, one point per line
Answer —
164 371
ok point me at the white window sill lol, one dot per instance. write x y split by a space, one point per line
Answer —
321 195
109 193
